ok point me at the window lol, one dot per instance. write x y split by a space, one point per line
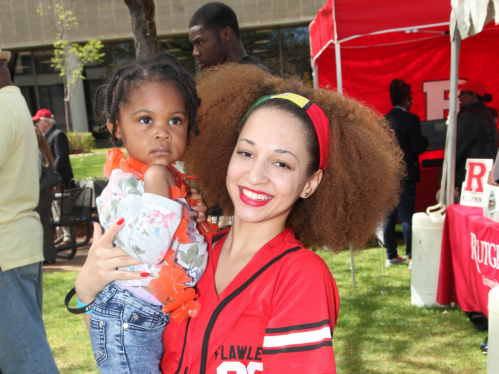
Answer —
293 56
23 63
52 98
124 52
182 49
42 62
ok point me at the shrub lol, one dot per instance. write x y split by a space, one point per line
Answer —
80 142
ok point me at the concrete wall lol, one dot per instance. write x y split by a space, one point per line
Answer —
21 27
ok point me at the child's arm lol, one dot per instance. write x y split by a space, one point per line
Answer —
157 180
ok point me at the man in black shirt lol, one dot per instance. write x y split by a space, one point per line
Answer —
407 129
214 33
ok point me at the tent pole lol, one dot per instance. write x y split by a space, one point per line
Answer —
315 70
451 146
352 267
339 79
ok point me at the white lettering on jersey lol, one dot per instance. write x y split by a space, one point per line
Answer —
233 366
255 366
239 368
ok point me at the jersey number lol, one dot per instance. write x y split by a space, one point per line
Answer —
236 367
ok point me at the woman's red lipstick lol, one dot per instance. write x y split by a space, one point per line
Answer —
249 201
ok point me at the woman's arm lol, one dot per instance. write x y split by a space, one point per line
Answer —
100 267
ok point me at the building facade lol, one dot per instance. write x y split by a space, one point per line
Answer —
273 31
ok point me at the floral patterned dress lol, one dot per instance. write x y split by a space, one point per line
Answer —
153 226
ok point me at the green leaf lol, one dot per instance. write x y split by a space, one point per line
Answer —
119 242
134 191
145 232
114 204
133 182
107 216
192 254
137 250
183 256
199 262
120 184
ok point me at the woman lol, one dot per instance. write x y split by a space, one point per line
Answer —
314 169
45 202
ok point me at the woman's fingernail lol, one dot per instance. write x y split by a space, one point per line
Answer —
121 220
143 275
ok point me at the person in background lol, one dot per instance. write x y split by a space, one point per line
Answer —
493 112
59 146
214 33
476 135
46 199
407 129
23 342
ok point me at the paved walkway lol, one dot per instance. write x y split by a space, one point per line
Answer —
74 264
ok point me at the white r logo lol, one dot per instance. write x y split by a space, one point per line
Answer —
436 101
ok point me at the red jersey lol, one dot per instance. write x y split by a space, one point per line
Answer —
276 316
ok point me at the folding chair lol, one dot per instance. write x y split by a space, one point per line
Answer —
76 205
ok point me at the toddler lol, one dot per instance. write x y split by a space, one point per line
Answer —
150 108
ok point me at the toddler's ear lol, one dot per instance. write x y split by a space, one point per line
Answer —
117 132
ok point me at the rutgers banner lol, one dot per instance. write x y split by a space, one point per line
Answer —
421 58
469 262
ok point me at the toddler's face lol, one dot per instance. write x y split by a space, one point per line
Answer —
154 123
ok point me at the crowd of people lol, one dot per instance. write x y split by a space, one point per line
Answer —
290 163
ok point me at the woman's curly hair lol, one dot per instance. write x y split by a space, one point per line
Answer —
360 185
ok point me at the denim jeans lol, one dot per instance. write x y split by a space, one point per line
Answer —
405 209
24 348
126 333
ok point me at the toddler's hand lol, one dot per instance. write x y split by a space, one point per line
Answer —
157 180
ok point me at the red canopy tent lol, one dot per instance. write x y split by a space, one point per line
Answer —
380 42
359 46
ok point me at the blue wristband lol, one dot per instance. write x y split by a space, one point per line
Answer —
81 305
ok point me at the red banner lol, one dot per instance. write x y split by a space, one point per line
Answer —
422 59
469 261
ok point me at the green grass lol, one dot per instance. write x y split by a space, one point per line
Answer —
66 332
386 334
374 333
89 165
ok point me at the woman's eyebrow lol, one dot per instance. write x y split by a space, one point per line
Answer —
284 151
247 141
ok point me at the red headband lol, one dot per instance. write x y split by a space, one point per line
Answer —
316 115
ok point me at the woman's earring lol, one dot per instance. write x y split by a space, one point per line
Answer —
306 193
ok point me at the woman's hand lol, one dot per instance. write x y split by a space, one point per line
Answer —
101 265
201 207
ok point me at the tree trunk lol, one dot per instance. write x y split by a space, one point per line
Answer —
144 28
66 104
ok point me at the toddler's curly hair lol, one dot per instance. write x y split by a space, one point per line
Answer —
360 185
163 68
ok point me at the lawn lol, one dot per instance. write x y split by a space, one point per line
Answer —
89 165
378 331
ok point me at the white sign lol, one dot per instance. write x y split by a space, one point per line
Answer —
477 173
437 102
